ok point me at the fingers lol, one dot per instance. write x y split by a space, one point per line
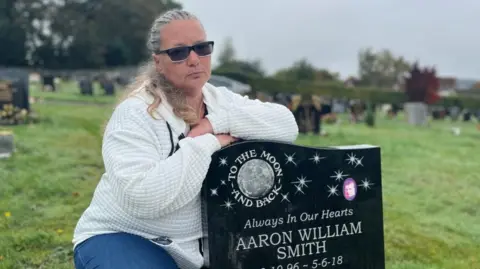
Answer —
230 139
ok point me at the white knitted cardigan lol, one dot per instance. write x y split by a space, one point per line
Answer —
146 192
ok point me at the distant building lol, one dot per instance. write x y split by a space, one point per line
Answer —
447 83
456 86
465 84
446 86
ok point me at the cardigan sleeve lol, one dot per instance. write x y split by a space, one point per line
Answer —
145 182
253 119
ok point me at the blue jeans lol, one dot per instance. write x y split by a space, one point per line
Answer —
121 251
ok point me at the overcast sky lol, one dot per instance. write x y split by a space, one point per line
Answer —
444 33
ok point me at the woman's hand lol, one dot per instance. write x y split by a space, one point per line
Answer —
225 139
203 127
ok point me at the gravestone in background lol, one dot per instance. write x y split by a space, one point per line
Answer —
467 115
86 86
270 205
18 81
417 113
48 82
108 86
122 81
7 146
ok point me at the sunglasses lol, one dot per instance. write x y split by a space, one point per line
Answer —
179 54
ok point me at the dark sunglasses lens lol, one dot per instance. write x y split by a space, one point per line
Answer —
203 49
178 54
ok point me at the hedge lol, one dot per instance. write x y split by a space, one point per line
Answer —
338 90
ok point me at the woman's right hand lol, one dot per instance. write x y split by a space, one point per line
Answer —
225 140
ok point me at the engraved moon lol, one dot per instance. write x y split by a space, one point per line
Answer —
255 178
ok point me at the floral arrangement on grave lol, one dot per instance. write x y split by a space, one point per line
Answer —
9 113
14 115
422 85
330 118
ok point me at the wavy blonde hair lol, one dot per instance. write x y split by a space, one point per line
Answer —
153 81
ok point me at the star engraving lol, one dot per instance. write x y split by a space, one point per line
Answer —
339 175
359 162
332 190
214 192
316 158
223 162
222 182
302 182
290 159
299 189
351 159
285 197
366 184
228 204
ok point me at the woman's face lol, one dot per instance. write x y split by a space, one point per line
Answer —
192 71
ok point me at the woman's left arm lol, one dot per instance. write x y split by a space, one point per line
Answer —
245 118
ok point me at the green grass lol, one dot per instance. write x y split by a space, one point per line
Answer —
54 161
70 92
430 178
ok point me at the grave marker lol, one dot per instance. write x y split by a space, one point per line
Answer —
7 146
14 85
270 205
86 86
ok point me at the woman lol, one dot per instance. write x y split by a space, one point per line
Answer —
157 147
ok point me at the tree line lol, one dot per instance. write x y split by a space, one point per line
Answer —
378 69
76 34
96 34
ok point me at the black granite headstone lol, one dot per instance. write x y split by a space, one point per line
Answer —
107 86
270 205
86 86
17 80
467 116
48 82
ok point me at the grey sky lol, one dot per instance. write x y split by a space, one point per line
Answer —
444 33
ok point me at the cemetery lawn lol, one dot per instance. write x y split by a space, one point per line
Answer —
431 187
69 92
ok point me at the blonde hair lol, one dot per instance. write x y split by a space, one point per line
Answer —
153 81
